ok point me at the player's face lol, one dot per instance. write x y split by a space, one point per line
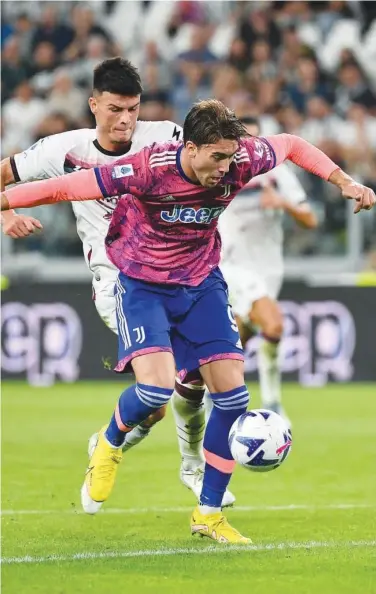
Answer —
115 116
211 162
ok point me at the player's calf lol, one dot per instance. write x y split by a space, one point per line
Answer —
267 313
135 404
188 407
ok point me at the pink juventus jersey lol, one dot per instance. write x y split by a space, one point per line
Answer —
166 231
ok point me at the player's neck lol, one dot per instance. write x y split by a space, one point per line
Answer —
186 166
106 146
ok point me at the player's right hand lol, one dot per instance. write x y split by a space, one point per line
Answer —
17 226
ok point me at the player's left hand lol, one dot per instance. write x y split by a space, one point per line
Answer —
270 199
365 197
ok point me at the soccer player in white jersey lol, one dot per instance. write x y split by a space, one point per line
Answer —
115 104
252 262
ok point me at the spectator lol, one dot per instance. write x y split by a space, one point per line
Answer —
199 52
353 88
239 55
258 25
321 123
24 29
84 27
54 123
96 51
14 69
52 30
307 84
228 87
262 67
358 139
43 65
44 58
157 72
22 113
65 98
194 72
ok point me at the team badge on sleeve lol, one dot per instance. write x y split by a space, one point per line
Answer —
122 171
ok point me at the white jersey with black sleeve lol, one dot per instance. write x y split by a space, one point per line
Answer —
79 149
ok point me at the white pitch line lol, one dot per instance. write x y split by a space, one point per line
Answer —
165 510
212 549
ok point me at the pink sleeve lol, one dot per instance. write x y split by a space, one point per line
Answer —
302 153
81 185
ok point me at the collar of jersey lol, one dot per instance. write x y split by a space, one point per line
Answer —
180 168
118 153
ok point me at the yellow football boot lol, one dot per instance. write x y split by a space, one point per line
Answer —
100 474
216 526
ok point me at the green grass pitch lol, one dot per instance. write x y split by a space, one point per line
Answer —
312 521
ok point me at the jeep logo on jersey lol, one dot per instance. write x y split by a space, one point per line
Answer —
184 214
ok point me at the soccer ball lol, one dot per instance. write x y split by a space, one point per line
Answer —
260 440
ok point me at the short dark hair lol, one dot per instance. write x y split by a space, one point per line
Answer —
210 120
117 76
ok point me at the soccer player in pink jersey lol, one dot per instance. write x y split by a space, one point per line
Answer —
115 104
171 295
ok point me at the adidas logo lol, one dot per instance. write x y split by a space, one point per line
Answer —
168 198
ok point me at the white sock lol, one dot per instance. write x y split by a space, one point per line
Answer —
269 374
208 403
190 427
134 437
205 510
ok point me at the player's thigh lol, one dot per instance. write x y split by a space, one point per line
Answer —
267 315
244 287
207 333
143 332
223 375
155 369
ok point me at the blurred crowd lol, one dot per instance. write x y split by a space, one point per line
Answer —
307 68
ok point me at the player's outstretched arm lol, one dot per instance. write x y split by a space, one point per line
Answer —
312 159
13 224
126 176
81 185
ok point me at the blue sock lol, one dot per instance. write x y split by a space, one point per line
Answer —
228 406
135 404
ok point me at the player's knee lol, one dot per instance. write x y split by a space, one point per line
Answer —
273 328
156 369
230 378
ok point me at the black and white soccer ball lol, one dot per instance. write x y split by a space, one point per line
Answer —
260 440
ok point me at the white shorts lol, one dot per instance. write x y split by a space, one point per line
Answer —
104 299
246 286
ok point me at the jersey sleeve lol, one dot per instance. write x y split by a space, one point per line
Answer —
289 185
42 160
256 156
176 131
128 175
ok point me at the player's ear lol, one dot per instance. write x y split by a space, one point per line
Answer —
93 105
191 148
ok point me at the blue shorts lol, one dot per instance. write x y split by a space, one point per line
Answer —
194 323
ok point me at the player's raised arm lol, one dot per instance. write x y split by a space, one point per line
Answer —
126 176
312 159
